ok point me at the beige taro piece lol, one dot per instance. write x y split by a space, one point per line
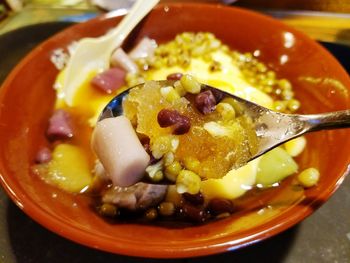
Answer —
119 149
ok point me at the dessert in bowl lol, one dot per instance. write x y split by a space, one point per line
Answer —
318 81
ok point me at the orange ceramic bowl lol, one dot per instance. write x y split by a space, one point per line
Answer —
27 100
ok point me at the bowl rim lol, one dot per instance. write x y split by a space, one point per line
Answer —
131 248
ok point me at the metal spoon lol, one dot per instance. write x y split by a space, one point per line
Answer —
272 128
93 54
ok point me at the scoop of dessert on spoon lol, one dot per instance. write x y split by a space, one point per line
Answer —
271 128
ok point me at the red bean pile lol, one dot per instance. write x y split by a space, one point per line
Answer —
180 123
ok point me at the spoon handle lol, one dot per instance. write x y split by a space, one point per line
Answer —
280 128
331 120
138 11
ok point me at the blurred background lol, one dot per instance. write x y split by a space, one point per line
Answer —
325 20
318 5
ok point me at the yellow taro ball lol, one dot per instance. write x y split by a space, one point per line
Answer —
69 168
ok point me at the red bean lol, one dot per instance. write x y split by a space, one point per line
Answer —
174 76
182 126
167 117
196 199
194 213
217 94
219 205
205 102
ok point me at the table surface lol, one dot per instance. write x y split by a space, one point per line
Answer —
322 237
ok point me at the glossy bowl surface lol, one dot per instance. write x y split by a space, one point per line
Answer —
27 98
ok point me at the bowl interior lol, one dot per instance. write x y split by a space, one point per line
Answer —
27 99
